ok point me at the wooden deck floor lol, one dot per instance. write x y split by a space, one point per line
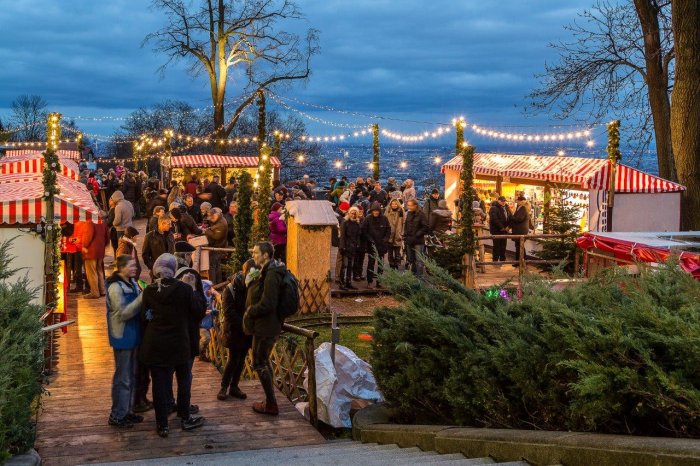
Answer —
72 425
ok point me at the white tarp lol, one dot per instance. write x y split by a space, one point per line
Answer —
336 387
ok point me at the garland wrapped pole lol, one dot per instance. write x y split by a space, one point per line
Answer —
614 156
263 195
243 222
467 216
459 135
375 147
52 254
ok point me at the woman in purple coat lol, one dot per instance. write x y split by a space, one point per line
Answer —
278 231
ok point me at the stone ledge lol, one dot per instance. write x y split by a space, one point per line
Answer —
540 448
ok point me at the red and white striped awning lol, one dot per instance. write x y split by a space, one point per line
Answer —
585 172
69 154
21 200
216 161
33 162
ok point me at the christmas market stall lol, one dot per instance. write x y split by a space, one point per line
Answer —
626 249
23 219
642 202
32 161
180 167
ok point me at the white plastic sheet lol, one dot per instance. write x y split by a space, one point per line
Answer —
336 387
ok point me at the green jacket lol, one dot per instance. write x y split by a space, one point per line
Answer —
262 318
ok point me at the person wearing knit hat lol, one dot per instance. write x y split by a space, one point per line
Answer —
169 306
344 206
349 244
127 247
183 253
123 212
377 230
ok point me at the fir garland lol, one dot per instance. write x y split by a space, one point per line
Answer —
261 230
49 179
243 221
375 148
466 198
459 141
614 154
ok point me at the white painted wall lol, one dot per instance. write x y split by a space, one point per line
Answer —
647 212
28 251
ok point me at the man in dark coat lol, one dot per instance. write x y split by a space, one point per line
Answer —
431 203
160 200
377 231
168 307
218 193
378 195
238 343
157 242
499 217
520 224
230 216
192 208
132 191
440 219
183 226
217 235
414 231
263 321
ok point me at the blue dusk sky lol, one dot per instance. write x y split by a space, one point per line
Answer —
411 59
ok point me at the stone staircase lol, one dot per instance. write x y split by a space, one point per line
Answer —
337 453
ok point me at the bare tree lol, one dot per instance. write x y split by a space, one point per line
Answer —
235 42
619 62
29 117
685 109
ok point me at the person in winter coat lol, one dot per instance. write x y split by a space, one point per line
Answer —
158 212
350 232
127 247
237 342
377 231
278 231
440 220
157 242
520 224
160 200
216 235
431 203
183 226
335 241
479 214
409 192
168 307
94 241
131 190
414 231
378 195
124 327
263 321
395 215
110 184
93 185
218 193
123 213
192 209
499 218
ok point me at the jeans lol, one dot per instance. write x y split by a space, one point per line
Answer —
234 367
394 256
371 258
412 253
123 382
348 266
215 267
262 347
358 262
162 387
95 270
499 249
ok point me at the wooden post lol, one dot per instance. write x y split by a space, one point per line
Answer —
521 256
614 156
469 265
499 185
576 261
311 367
547 205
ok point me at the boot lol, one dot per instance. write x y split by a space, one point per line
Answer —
350 286
237 393
266 407
221 396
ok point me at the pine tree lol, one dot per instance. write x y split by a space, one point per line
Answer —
563 219
243 222
263 196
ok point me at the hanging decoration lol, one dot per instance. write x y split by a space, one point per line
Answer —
438 132
52 254
548 137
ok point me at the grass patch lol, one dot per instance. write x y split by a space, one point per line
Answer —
348 338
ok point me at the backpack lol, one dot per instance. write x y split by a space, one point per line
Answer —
289 298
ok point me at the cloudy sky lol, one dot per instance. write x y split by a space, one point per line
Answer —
426 60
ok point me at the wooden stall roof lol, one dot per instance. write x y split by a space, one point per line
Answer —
312 212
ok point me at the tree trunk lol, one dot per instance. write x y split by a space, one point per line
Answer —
262 131
685 107
657 84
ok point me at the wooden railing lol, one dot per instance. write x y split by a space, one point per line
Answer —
290 360
49 339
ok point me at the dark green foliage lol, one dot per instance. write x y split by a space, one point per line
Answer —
466 198
243 222
449 257
563 219
617 354
263 196
21 354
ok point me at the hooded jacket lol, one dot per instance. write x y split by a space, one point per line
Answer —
234 304
200 303
168 307
520 221
123 211
278 229
350 232
376 231
123 309
263 299
155 244
440 220
430 204
217 233
395 218
415 228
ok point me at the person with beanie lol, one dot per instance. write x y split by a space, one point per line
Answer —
376 231
278 231
204 209
168 307
431 203
123 213
440 220
395 215
124 329
349 245
127 247
183 254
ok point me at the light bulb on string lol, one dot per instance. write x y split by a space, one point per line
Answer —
403 164
561 153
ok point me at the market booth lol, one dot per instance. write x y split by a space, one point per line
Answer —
602 250
32 161
23 212
642 202
180 167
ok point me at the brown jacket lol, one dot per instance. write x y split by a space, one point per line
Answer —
217 233
95 238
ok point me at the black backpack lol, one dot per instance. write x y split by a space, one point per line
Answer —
289 296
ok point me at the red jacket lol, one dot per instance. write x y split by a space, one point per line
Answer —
95 239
